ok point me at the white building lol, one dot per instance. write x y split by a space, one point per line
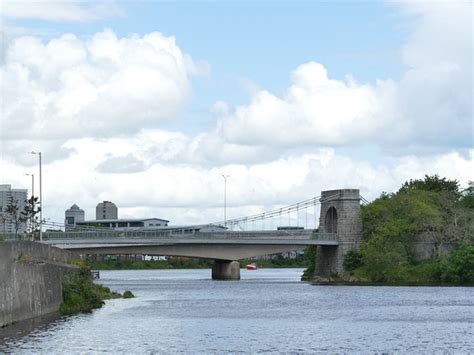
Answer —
126 223
73 216
7 224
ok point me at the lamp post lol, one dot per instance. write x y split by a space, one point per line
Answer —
32 183
225 198
40 196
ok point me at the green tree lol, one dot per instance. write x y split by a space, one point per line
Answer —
352 260
433 183
459 266
383 258
467 197
30 216
13 214
310 261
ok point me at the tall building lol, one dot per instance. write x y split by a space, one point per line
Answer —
73 216
7 224
106 210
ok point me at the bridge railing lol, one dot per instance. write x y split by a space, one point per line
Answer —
275 234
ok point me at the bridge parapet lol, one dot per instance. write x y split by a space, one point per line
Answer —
297 235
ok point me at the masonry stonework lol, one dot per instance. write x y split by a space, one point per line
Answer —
340 219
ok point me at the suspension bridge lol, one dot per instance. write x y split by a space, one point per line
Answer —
283 229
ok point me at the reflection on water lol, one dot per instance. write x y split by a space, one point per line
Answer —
268 310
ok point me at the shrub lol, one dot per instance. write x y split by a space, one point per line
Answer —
383 258
352 260
310 256
459 265
128 294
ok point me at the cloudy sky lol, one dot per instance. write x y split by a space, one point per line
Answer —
147 103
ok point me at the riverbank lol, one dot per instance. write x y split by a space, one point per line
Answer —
189 263
81 294
31 279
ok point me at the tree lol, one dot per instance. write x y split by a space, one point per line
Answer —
3 220
459 265
433 183
467 196
13 214
383 258
30 216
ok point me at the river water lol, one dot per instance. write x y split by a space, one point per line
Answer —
269 310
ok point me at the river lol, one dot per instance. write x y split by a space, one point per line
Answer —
269 310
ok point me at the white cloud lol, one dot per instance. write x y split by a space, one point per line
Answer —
314 110
103 86
94 108
193 194
430 105
59 10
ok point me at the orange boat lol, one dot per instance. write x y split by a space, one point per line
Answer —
251 266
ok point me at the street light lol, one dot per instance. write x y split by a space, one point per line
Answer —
225 198
41 196
32 183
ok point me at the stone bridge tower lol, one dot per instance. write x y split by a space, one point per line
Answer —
340 219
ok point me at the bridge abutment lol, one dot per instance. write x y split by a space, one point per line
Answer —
226 270
340 219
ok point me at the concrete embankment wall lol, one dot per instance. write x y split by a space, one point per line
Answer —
31 277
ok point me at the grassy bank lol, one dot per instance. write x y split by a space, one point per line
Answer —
189 263
81 294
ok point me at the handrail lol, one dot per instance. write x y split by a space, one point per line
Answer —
156 235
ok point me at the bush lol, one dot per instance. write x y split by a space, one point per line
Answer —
458 267
310 256
81 294
128 294
352 260
383 258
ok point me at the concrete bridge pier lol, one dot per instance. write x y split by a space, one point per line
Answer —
226 270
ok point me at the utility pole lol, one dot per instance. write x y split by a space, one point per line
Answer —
225 199
41 195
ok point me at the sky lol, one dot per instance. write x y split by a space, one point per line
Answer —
148 103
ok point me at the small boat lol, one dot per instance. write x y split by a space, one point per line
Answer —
251 266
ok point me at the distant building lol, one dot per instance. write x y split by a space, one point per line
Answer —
7 224
106 210
126 224
73 216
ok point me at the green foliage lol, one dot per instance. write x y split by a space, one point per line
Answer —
458 267
81 294
189 263
431 210
29 215
353 260
12 212
172 263
467 197
310 259
434 184
128 294
382 257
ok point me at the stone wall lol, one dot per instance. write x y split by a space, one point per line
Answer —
340 215
31 277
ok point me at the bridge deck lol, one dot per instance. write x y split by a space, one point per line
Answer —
217 245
